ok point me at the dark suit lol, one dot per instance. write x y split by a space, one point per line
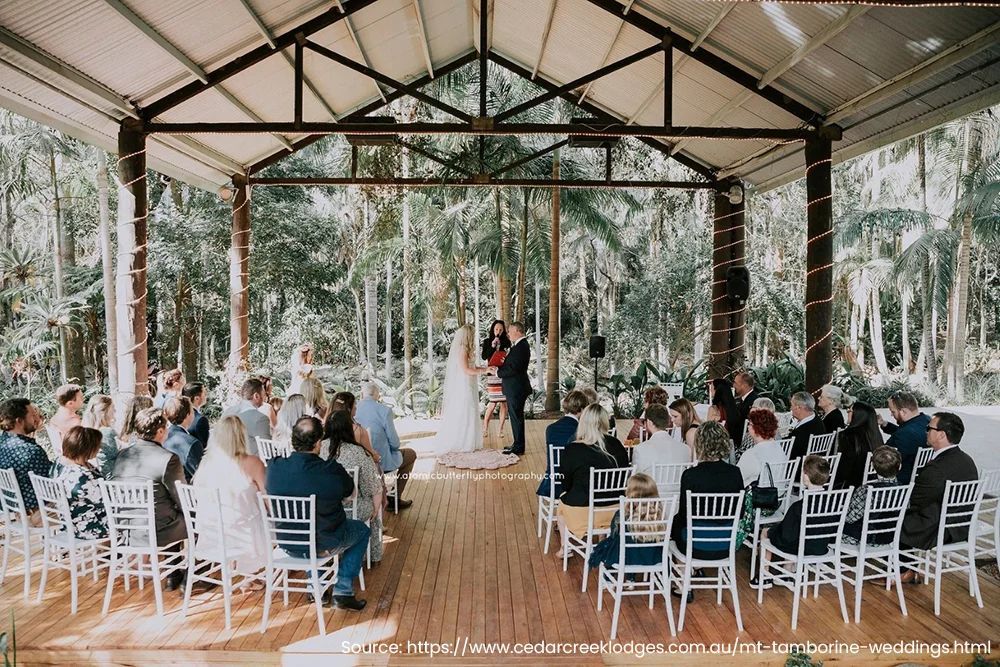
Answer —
706 477
199 428
516 388
144 460
746 404
187 448
802 433
920 525
559 433
908 437
302 474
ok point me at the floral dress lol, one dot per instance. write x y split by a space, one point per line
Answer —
369 485
86 506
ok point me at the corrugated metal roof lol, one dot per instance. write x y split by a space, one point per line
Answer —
112 64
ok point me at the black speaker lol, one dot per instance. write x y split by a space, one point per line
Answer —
738 283
597 347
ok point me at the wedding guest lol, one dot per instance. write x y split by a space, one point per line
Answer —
588 451
301 367
258 425
661 447
291 411
81 480
805 423
172 382
100 415
70 400
765 454
496 341
608 550
834 402
560 433
238 476
762 403
315 396
593 397
378 420
188 449
685 418
854 443
886 461
267 407
19 420
909 433
198 395
345 401
654 396
132 409
721 396
370 495
745 392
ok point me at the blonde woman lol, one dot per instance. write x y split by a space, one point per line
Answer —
239 476
834 402
301 367
132 410
315 397
587 452
641 487
293 408
100 415
461 430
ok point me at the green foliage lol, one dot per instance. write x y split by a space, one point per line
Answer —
857 385
780 379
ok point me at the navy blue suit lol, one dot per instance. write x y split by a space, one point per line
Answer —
559 433
908 437
187 448
199 428
302 474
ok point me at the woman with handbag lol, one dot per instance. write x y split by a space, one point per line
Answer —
758 466
494 351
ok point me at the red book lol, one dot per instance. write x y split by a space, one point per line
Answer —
497 358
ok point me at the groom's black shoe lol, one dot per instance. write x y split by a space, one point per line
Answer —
511 450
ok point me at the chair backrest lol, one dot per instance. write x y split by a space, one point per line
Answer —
131 514
644 523
785 476
823 514
674 390
786 447
272 449
885 507
202 509
712 521
923 456
53 505
555 456
870 474
784 420
11 500
55 439
821 444
834 461
351 502
960 507
290 524
604 483
668 477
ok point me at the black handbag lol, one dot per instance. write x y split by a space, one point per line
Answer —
765 497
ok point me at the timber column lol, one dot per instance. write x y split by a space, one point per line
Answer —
728 316
819 259
130 290
737 314
239 277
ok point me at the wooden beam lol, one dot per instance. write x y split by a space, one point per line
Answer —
831 30
712 25
645 103
423 38
297 102
668 80
534 156
361 50
263 29
545 38
476 182
484 53
731 103
239 277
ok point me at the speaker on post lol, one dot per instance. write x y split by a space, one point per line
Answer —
738 283
597 347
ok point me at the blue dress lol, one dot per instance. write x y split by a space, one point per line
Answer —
607 550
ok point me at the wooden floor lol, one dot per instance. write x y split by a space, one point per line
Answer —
464 564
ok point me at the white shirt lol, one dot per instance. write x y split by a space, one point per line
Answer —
938 452
660 448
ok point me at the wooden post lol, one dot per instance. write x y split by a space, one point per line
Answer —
130 288
108 271
719 354
239 276
819 263
552 398
737 257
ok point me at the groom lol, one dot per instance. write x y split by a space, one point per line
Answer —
516 385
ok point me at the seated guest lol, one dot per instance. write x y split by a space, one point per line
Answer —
370 492
592 397
198 395
267 408
785 534
377 418
291 411
805 423
588 451
304 474
909 433
721 396
560 433
81 480
854 442
345 401
315 395
238 476
188 449
834 402
762 403
661 448
19 419
654 396
886 461
100 414
70 400
258 425
766 454
948 464
745 393
684 418
607 551
712 475
146 459
132 409
172 385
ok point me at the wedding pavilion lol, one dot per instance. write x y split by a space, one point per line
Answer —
744 94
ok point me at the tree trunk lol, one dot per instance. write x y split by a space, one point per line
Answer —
878 349
407 278
388 320
108 270
539 376
862 320
57 264
475 287
371 322
552 398
430 344
359 329
905 333
962 309
522 263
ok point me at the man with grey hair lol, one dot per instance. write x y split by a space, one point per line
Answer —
804 422
377 417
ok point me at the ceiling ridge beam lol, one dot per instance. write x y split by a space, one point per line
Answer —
717 63
425 45
545 37
830 31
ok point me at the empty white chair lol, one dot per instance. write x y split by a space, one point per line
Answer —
877 552
61 548
959 512
923 456
712 521
674 390
16 527
648 520
786 446
823 515
603 484
988 531
668 477
55 439
822 444
784 477
135 550
272 449
291 523
549 504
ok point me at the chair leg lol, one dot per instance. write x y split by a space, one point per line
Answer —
45 570
549 520
227 594
736 595
565 547
974 576
937 583
798 587
73 581
859 582
188 585
600 587
665 584
619 589
899 584
154 565
318 601
27 567
268 592
838 581
685 587
540 514
6 551
112 573
586 562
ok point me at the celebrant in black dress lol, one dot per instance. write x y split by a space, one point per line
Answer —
493 350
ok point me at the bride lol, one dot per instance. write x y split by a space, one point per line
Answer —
461 427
